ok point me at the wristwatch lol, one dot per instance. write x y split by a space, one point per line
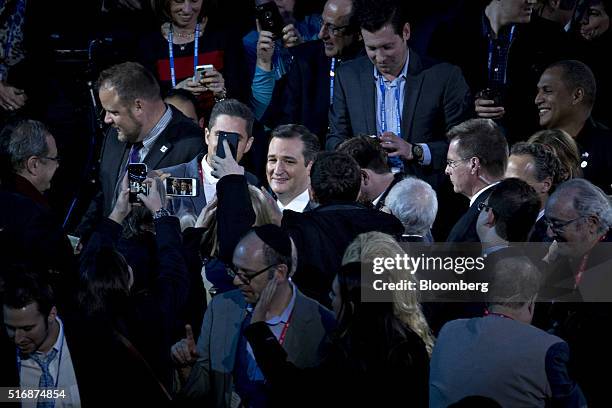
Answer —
417 152
162 212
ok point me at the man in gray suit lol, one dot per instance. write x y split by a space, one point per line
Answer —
221 369
501 356
408 102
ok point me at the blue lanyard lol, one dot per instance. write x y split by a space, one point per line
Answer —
490 55
59 361
383 116
171 52
332 74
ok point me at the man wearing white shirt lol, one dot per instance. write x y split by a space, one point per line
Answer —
291 153
476 161
42 357
540 168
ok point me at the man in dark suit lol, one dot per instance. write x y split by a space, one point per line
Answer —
228 115
476 161
306 98
409 102
565 99
144 129
538 166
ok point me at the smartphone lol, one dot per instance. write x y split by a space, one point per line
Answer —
137 173
181 187
493 94
270 18
232 139
200 70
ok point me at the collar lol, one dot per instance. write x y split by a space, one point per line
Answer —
540 214
403 74
488 251
475 196
284 317
156 130
297 204
24 187
208 177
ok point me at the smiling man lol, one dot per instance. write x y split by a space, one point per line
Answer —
291 153
142 129
565 100
393 93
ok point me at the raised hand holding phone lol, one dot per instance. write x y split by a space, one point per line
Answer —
224 166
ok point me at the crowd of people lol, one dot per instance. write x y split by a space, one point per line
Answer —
280 172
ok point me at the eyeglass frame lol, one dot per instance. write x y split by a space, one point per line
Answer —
454 163
563 224
246 279
336 31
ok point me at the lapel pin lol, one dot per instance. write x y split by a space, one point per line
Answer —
163 149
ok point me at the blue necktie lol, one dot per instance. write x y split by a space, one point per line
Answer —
46 380
134 153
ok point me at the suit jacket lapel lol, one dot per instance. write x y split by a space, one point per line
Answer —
368 86
161 147
412 90
300 322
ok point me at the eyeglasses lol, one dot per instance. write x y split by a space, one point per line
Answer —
483 205
336 31
56 159
246 279
557 225
454 163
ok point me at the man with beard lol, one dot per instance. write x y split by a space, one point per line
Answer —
143 129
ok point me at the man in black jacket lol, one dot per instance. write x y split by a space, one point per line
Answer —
144 129
320 235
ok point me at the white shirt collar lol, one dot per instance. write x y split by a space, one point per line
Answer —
297 204
540 214
207 170
475 196
284 317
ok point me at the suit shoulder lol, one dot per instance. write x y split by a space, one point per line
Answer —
307 50
312 307
181 127
355 66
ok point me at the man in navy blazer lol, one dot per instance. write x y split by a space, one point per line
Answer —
408 102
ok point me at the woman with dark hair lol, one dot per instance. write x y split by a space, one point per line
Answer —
130 333
188 38
376 358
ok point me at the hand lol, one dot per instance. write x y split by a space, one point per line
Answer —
122 205
291 36
265 299
194 87
185 352
11 98
265 50
486 109
224 167
276 213
207 214
158 173
152 201
396 146
553 253
213 81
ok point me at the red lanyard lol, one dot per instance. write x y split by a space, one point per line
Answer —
487 313
201 172
583 264
281 339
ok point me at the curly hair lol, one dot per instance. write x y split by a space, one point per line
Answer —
335 176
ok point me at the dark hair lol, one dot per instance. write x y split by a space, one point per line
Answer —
131 81
335 176
22 286
290 131
515 205
563 147
567 4
375 14
162 9
104 282
232 107
272 257
20 140
576 74
482 138
545 161
368 153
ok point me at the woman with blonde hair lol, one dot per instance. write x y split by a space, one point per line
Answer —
564 147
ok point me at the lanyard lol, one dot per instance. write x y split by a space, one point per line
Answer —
281 338
171 52
383 115
487 313
332 74
490 55
59 361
